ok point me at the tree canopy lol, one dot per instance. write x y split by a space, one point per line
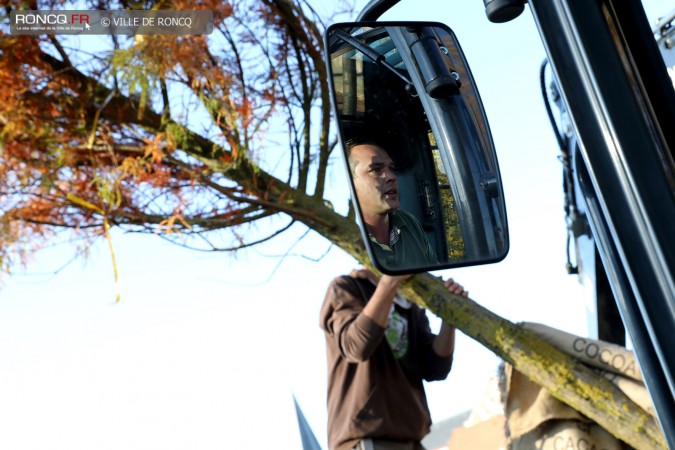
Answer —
172 135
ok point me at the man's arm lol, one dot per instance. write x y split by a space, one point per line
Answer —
355 328
444 343
379 305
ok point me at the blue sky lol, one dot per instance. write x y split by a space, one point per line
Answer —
203 352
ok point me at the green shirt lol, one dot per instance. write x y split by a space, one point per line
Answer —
408 244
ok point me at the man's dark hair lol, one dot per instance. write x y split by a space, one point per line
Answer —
353 142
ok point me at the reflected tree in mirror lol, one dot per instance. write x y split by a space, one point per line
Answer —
407 90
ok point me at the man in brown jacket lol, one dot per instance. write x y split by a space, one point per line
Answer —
380 348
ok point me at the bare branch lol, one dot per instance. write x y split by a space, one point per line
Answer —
233 248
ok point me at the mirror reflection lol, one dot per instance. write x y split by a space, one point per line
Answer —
423 168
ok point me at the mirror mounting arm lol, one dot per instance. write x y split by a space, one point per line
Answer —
374 9
440 80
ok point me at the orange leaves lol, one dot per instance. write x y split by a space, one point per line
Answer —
19 50
36 210
169 225
159 134
135 171
221 9
38 116
19 240
156 147
135 168
166 57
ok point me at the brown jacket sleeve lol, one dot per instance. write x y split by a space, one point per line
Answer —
354 334
433 367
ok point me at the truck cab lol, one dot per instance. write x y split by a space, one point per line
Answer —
612 84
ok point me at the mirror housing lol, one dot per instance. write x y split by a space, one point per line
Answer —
417 147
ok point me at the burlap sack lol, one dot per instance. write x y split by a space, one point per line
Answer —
568 435
528 405
602 355
537 420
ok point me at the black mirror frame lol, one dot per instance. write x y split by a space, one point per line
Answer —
358 214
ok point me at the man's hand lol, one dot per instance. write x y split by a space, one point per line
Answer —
365 274
379 304
455 288
391 282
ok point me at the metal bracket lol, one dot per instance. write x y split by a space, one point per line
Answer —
374 9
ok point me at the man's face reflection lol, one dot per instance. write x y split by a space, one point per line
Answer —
374 180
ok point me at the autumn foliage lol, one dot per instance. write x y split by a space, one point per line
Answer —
163 134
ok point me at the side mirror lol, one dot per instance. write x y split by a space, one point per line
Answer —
417 147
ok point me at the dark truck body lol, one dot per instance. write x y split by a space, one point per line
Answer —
619 169
616 89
